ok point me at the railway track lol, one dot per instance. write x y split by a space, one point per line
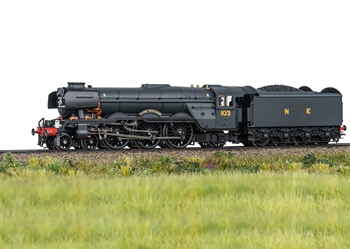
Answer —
98 157
170 150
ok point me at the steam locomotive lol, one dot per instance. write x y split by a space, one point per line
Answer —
212 116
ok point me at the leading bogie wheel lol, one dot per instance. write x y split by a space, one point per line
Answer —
64 142
50 143
90 143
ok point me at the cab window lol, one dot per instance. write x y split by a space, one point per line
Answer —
229 101
224 100
221 100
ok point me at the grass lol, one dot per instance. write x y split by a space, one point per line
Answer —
140 165
219 201
219 210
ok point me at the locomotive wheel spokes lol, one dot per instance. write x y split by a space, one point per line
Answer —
116 142
65 142
182 130
90 143
148 143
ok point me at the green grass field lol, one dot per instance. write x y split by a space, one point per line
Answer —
219 210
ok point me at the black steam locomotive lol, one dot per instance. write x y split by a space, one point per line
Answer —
213 115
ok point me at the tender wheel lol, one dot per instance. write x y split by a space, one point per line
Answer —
302 142
183 131
149 143
261 143
279 142
115 142
90 143
63 142
262 137
321 141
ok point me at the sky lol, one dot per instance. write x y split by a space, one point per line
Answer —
45 44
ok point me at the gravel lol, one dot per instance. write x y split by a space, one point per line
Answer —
192 152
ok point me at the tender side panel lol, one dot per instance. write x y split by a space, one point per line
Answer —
293 111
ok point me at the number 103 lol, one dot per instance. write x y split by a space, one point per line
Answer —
225 113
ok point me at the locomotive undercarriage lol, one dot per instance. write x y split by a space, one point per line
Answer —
150 133
117 135
293 136
99 134
132 133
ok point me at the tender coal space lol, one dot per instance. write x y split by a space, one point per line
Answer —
279 88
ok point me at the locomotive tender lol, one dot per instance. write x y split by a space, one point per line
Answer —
213 115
